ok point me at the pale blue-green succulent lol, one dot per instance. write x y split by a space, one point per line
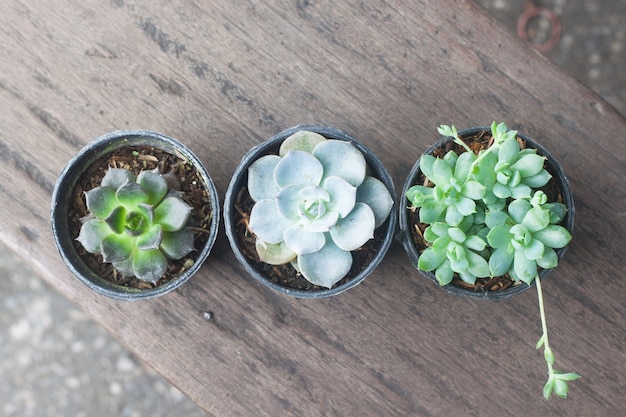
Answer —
314 204
136 224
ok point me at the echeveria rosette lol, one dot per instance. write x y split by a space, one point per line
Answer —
136 224
314 204
526 237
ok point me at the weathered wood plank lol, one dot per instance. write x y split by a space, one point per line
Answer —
223 76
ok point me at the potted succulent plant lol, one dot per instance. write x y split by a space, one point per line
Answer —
307 212
134 214
489 213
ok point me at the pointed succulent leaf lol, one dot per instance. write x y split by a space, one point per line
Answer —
474 190
558 211
176 245
554 236
327 266
465 206
117 219
475 243
172 214
101 201
432 212
499 237
431 259
274 254
427 163
341 159
518 209
508 151
537 180
267 223
529 164
534 250
298 168
153 184
549 259
342 194
478 266
376 195
115 248
149 265
261 184
303 140
151 238
520 191
537 218
130 194
453 216
442 172
463 165
91 234
116 177
351 232
501 190
302 241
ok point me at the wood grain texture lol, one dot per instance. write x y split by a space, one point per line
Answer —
224 76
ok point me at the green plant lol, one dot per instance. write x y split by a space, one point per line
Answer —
314 204
487 217
136 224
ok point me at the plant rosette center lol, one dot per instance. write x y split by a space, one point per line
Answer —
314 204
136 224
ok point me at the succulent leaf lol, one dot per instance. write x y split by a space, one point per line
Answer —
116 177
326 266
274 254
303 140
172 214
153 184
100 201
176 245
267 223
151 238
149 265
91 234
298 168
351 232
115 248
374 193
341 159
261 184
302 241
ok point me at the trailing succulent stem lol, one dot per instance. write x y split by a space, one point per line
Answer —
487 216
136 224
314 204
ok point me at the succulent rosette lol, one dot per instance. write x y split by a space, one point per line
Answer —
136 224
314 204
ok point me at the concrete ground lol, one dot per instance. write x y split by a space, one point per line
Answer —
54 361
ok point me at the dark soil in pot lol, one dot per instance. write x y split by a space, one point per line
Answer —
496 288
136 159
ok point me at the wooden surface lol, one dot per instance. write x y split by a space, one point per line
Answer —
222 76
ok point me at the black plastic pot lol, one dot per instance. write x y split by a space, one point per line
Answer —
240 180
65 187
552 165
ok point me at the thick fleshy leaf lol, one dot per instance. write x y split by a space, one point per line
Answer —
176 245
499 236
130 194
554 236
426 165
115 248
277 254
538 180
534 250
520 191
341 159
342 195
495 218
418 195
117 219
351 232
298 168
442 172
324 223
529 165
558 211
463 165
475 243
431 259
91 234
508 151
267 223
125 267
453 216
474 190
149 265
101 201
525 269
375 194
500 261
432 212
172 214
536 219
465 206
501 191
303 241
549 259
261 184
518 209
151 238
302 140
327 266
289 200
116 177
444 273
153 184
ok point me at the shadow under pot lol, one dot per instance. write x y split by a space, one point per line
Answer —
134 214
309 212
491 287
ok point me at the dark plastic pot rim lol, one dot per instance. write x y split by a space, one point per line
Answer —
64 187
405 234
239 179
